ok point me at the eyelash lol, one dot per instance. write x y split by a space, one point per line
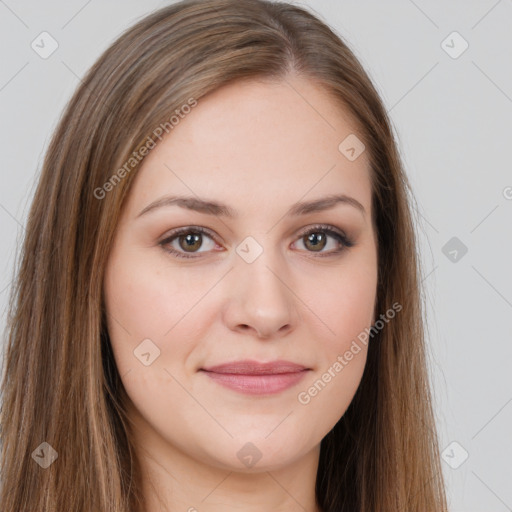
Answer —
329 230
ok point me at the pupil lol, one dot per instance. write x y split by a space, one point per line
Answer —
317 240
192 241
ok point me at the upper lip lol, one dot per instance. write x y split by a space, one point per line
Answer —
249 367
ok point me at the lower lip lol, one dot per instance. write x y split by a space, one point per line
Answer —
257 384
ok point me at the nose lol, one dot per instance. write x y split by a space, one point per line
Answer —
259 300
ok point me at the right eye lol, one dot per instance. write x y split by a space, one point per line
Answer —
190 237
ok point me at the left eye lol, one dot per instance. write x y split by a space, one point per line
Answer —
315 239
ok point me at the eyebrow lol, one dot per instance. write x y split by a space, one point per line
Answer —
223 210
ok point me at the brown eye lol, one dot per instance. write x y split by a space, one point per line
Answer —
190 242
186 242
315 241
321 237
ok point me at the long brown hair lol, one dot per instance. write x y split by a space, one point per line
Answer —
60 384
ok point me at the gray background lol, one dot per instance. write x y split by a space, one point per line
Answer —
453 121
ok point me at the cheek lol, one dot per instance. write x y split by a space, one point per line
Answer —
151 319
148 313
345 306
143 301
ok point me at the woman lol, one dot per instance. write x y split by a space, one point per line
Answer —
218 300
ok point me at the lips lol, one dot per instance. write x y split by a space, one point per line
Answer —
248 367
254 378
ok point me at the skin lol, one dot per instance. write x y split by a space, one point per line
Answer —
258 147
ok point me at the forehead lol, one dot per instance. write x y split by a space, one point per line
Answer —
252 143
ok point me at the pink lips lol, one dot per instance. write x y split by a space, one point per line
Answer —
255 378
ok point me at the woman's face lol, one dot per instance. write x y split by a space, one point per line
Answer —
266 281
